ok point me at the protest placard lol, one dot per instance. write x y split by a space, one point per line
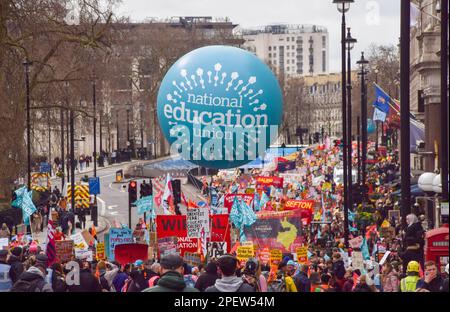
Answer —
192 258
4 243
196 220
302 254
78 241
357 260
243 253
64 250
216 249
100 251
84 254
167 245
275 256
264 256
117 237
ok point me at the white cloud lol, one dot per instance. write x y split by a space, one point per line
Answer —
367 25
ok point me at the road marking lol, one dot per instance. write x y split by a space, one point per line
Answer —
103 206
112 207
108 175
113 213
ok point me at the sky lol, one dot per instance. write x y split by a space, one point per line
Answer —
371 21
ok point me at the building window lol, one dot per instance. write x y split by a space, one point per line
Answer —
288 47
324 65
292 47
274 48
270 48
270 62
288 38
324 41
270 54
288 68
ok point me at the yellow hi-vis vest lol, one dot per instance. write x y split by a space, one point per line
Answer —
409 283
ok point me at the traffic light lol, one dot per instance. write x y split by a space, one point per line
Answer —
176 189
132 191
146 189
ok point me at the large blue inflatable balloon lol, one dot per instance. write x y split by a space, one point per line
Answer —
371 126
219 107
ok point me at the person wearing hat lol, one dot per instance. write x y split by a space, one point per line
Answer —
409 283
171 279
252 275
229 281
15 261
34 279
5 280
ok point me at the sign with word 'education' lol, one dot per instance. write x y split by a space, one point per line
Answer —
219 107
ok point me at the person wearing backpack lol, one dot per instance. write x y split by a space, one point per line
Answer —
229 281
33 280
252 275
106 276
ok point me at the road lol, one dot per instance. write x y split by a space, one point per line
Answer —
113 197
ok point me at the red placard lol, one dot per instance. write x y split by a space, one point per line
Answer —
269 181
129 253
229 198
293 204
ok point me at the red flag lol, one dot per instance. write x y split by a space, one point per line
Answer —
158 198
51 245
183 198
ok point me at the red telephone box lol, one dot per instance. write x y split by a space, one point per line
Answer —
436 247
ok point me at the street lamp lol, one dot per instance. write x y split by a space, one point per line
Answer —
362 63
27 64
350 41
343 6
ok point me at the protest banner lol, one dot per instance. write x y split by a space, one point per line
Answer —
302 254
196 220
355 242
243 253
129 253
192 258
357 260
293 204
100 251
64 250
216 249
118 237
269 181
275 256
229 198
277 230
173 225
167 245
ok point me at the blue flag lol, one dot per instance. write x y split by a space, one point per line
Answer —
365 250
263 201
382 100
24 201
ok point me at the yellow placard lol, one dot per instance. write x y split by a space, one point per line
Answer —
100 251
302 254
244 252
275 256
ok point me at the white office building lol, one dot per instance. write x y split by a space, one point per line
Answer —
295 50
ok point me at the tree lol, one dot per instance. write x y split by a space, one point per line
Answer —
38 32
